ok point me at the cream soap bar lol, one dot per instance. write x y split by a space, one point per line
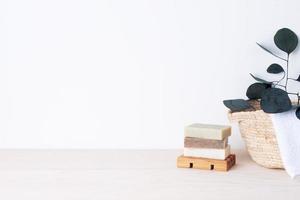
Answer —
220 154
207 131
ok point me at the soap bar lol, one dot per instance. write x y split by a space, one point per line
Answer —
192 142
205 163
220 154
207 131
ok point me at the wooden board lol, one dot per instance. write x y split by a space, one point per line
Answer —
205 163
134 175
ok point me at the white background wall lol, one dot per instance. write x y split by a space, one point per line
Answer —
128 74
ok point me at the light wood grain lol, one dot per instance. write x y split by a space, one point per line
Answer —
133 175
205 163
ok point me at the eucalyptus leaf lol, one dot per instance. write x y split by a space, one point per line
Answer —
236 105
286 40
270 52
256 90
298 113
275 69
260 80
275 100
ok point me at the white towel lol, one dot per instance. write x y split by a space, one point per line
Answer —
287 128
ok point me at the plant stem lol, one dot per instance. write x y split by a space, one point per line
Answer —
287 80
277 82
287 72
293 93
280 85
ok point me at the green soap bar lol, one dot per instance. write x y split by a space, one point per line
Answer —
207 131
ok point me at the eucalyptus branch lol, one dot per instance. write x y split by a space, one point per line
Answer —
274 95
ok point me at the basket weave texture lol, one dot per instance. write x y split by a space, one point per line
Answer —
258 133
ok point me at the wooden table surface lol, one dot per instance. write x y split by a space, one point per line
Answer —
133 174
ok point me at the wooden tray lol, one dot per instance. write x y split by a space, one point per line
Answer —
206 163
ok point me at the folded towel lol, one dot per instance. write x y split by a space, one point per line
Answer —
287 129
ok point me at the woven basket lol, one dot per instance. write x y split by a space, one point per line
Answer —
258 133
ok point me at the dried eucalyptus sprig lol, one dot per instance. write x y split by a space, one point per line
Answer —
273 95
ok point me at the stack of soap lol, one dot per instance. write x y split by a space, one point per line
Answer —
209 143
